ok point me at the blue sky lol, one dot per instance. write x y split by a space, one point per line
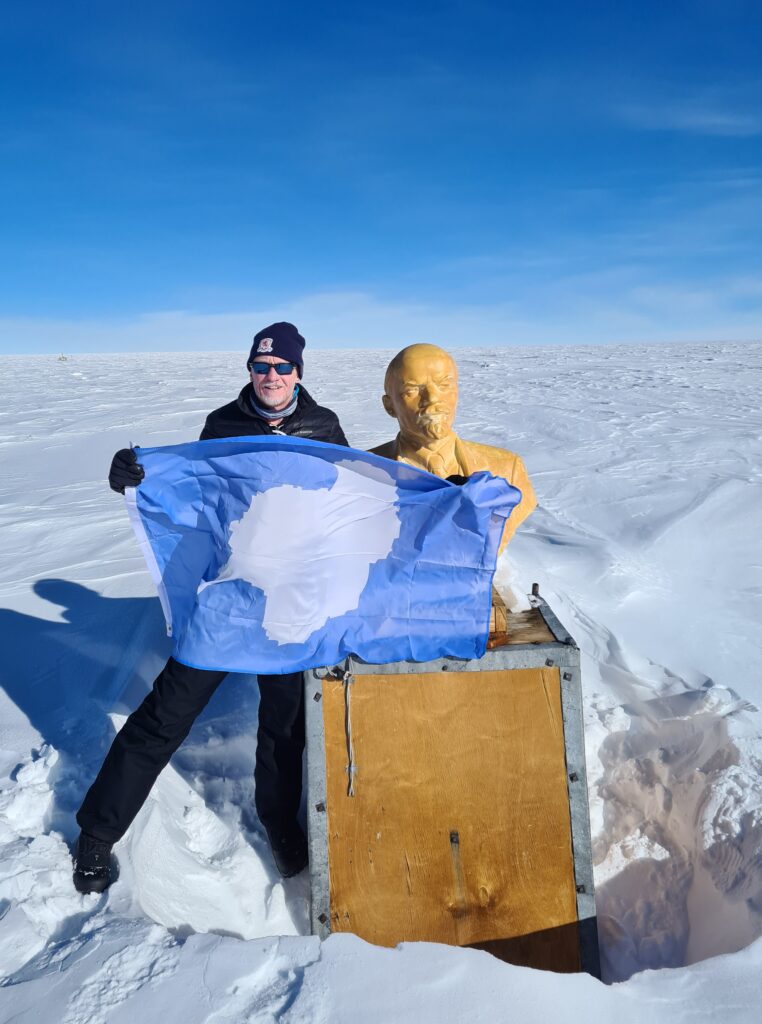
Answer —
176 175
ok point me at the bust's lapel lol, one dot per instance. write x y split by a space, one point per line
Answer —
465 463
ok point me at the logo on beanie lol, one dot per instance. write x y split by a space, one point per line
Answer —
265 345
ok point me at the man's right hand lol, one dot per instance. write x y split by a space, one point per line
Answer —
125 471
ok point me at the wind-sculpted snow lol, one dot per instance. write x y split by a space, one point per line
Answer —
648 466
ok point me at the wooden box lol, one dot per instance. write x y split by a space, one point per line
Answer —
447 801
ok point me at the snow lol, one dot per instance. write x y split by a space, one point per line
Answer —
647 462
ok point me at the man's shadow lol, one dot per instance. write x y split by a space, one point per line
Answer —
100 657
67 675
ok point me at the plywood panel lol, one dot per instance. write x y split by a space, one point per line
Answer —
555 949
458 830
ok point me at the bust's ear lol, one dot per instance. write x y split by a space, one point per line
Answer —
388 406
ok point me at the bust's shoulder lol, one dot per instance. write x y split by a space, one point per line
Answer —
487 456
386 451
508 465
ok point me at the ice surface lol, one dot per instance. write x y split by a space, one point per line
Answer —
648 467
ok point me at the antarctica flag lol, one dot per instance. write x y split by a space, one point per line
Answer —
275 554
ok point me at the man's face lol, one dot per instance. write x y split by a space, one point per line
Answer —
273 390
422 394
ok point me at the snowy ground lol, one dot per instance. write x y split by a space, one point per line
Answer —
648 467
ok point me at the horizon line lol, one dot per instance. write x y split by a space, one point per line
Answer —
318 346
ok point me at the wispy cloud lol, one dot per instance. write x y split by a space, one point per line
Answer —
694 118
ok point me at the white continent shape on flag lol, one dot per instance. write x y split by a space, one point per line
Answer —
310 551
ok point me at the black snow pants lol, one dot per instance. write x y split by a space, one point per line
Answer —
154 731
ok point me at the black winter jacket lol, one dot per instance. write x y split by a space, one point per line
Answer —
238 419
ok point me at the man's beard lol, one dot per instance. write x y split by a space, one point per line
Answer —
270 399
433 427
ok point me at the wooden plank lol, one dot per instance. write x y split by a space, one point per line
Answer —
506 627
459 829
528 628
498 619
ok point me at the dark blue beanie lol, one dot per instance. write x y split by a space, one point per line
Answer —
282 340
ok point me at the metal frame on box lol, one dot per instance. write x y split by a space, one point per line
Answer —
562 654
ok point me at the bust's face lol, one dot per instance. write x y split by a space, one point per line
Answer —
422 393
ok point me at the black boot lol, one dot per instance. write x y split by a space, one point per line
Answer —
289 849
92 864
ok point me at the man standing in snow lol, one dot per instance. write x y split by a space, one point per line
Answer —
274 402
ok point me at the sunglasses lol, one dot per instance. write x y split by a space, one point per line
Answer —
280 368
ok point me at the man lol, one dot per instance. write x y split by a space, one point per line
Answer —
274 402
421 393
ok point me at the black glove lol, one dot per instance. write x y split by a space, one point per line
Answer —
125 471
455 479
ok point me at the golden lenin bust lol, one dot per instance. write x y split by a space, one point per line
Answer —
421 393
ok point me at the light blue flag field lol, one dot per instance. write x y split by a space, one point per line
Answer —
275 554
